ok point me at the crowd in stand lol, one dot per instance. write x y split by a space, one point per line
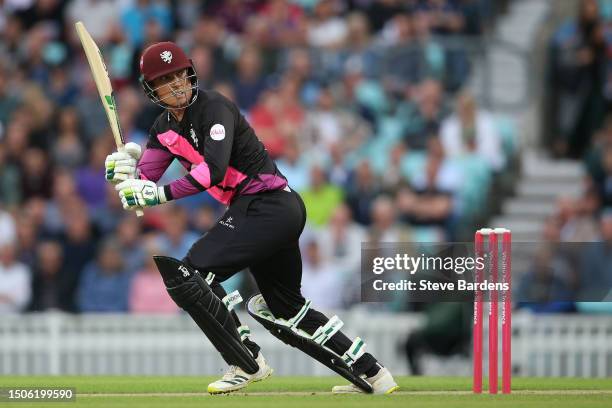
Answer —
360 102
574 260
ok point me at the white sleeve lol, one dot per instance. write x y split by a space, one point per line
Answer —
23 287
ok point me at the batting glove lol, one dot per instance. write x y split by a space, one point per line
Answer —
121 165
137 194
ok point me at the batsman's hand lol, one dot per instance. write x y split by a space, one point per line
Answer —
137 194
121 165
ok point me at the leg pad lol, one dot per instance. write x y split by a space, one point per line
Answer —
191 292
289 333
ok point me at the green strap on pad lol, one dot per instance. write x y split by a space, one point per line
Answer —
244 332
323 333
231 300
356 350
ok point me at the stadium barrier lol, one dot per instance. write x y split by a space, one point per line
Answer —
105 344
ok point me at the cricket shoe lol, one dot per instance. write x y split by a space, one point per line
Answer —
235 378
382 383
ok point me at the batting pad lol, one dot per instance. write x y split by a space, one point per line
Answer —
289 333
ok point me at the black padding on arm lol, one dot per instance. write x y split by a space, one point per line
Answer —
191 292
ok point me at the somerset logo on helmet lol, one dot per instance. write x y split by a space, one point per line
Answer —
166 56
161 59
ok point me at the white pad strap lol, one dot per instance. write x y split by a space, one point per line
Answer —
244 332
356 350
323 333
231 300
210 277
295 320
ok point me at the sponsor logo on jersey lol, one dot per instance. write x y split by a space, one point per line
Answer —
193 137
228 223
217 132
166 56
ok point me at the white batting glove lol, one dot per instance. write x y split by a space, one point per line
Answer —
121 165
137 194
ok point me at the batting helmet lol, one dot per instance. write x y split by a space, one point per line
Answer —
161 59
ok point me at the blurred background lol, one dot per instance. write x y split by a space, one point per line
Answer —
397 120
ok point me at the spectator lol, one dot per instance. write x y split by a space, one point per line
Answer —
471 130
136 16
97 15
128 233
321 198
10 182
105 284
282 25
8 229
577 78
234 14
147 292
27 235
249 82
48 282
359 44
595 279
176 238
422 115
604 182
340 244
299 64
8 100
577 218
381 11
277 115
412 55
384 227
435 189
68 150
544 288
15 290
294 167
78 240
90 185
36 175
320 282
330 125
204 65
362 191
392 177
326 29
446 18
341 240
265 119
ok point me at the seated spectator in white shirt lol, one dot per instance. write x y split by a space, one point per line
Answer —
472 130
320 280
15 280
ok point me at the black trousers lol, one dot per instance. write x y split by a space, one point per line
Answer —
261 232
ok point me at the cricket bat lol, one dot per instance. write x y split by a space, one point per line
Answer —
103 83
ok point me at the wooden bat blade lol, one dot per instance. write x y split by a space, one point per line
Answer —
102 80
103 84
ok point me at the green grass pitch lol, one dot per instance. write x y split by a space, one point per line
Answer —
314 392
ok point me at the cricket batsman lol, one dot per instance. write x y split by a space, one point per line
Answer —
207 134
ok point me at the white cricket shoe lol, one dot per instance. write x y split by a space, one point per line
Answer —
382 383
235 378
